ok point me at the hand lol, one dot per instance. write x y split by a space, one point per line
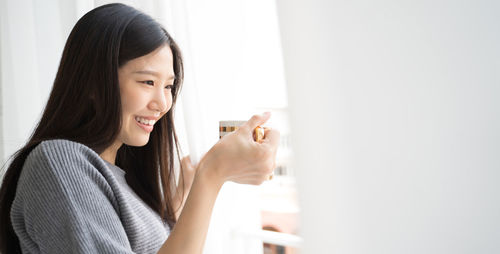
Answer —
238 158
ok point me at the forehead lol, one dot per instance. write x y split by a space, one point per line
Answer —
159 61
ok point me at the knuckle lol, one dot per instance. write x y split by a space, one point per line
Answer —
263 170
256 182
243 128
267 168
276 132
263 179
185 161
271 168
254 118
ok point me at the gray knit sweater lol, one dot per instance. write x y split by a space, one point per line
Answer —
69 200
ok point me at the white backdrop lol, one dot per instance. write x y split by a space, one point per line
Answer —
395 119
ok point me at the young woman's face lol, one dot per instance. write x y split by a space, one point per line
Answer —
145 90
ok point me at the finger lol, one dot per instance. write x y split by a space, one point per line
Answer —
186 159
186 164
255 121
271 137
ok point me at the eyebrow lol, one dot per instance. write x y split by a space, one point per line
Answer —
154 73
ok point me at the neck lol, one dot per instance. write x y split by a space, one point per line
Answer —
109 154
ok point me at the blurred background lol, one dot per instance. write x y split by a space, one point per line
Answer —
389 114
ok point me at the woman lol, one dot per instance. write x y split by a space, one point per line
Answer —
97 174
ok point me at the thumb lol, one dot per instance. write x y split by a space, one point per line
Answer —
255 121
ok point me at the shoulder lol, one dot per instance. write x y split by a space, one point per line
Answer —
64 160
60 152
66 170
67 198
61 149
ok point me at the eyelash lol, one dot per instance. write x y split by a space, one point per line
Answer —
152 83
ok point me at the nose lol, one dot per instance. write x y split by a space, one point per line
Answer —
161 100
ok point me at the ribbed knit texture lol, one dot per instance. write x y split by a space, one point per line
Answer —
69 200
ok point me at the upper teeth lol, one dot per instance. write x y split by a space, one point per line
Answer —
144 121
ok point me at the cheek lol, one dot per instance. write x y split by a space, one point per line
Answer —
131 100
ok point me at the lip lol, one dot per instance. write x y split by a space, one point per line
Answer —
147 128
149 117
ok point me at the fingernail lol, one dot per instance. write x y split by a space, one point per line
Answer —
266 113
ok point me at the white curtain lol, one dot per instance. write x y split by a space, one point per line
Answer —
32 36
233 69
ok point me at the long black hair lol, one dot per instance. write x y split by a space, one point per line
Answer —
84 106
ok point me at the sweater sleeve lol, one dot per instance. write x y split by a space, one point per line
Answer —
64 203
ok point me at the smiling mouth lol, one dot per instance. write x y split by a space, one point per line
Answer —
145 121
145 124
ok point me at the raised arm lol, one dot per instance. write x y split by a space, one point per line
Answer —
184 186
236 157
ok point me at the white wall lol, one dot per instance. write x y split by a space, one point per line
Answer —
395 117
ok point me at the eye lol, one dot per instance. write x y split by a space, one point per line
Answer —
148 82
169 86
